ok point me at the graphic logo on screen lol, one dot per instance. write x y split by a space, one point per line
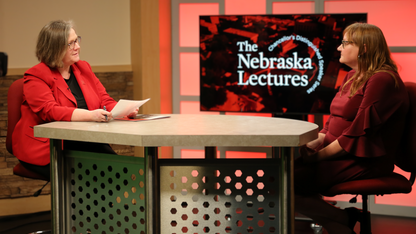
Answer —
271 63
305 65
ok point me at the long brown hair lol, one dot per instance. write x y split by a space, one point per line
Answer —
373 54
52 43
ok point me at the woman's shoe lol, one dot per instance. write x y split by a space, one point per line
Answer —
354 216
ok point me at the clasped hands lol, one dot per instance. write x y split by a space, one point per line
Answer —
308 155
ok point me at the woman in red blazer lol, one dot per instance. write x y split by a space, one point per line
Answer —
60 88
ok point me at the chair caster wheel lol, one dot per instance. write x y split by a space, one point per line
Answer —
317 229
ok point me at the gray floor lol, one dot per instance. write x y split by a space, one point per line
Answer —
25 224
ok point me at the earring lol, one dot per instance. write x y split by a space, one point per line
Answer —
359 56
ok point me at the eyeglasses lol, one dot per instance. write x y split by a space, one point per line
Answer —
71 45
345 43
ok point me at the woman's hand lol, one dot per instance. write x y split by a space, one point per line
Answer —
100 115
308 155
317 142
331 151
133 114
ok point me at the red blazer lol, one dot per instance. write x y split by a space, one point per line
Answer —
47 98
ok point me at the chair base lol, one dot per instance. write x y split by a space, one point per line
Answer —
20 170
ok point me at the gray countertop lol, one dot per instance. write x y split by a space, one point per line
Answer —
187 130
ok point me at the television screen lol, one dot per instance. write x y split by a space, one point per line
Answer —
287 64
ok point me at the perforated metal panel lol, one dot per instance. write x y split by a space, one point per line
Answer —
106 193
231 196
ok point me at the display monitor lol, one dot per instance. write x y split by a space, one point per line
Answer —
281 64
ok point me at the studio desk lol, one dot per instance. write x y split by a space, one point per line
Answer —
101 193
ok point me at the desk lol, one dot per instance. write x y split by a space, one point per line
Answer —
178 130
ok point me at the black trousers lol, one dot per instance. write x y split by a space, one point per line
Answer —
71 145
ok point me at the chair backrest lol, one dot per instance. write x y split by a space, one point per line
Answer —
406 159
14 102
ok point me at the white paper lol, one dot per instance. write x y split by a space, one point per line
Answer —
125 107
143 117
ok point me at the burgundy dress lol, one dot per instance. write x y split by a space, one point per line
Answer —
368 126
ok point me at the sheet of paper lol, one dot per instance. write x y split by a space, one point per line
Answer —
125 107
143 117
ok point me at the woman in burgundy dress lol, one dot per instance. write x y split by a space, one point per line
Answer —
362 134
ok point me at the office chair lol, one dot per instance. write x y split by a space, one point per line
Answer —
394 183
14 101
